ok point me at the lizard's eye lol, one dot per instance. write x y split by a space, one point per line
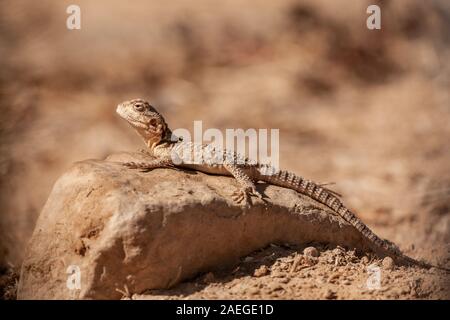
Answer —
139 107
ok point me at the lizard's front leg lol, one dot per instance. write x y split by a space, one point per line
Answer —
150 165
247 186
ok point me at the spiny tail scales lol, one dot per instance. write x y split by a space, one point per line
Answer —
330 199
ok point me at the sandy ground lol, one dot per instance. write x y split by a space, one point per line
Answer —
283 272
369 110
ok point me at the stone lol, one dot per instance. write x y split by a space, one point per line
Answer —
311 252
261 271
388 263
329 295
106 229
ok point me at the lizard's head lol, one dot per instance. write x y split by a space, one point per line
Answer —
148 122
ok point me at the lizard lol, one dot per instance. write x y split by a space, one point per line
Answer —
169 151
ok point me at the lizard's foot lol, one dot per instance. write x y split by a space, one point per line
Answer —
244 195
240 196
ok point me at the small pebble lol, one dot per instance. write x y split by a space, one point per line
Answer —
330 294
261 271
388 263
311 252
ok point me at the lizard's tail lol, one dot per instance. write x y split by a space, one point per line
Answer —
330 199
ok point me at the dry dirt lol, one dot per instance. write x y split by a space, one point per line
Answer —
369 110
283 272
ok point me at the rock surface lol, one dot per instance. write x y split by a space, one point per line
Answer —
127 230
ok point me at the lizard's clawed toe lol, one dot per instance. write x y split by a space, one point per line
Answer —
256 193
244 195
239 196
236 196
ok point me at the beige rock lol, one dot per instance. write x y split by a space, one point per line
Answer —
311 251
128 231
388 263
261 271
329 294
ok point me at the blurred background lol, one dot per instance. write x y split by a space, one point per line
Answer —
368 109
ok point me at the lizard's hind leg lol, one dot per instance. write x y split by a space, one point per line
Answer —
247 186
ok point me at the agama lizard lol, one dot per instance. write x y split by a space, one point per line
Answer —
170 152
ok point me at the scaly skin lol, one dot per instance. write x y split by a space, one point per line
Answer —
173 152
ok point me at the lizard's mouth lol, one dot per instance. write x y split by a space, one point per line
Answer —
136 123
121 111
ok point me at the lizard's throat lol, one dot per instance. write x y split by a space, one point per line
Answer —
152 139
